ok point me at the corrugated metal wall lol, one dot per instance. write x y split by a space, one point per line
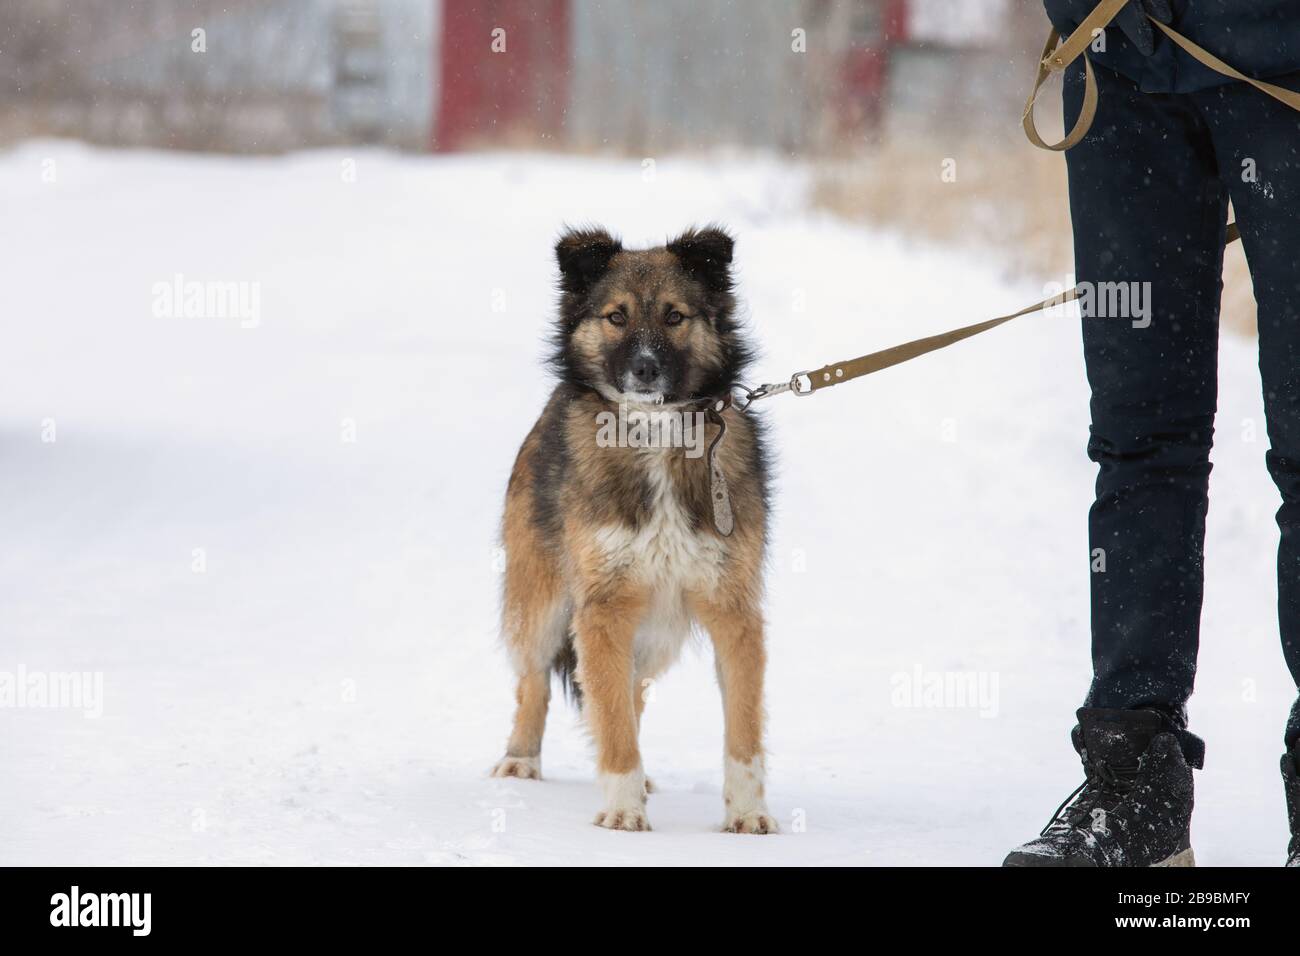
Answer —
680 73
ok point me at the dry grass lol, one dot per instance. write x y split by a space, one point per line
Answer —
1010 200
991 199
1238 312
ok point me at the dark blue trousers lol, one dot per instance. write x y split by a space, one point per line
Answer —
1149 190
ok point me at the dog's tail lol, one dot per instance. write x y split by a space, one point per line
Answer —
565 667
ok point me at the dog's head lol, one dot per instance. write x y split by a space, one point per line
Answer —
651 325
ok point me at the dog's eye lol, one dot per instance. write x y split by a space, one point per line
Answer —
673 317
616 318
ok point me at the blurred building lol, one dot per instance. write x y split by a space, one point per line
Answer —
271 75
237 75
785 74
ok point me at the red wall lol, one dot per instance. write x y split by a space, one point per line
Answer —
864 73
486 96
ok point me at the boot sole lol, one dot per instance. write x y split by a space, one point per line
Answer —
1181 858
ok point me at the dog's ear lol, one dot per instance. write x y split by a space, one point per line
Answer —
706 255
583 256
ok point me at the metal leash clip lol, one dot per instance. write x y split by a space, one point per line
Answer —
800 384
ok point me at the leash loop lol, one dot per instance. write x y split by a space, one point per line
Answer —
719 497
1056 58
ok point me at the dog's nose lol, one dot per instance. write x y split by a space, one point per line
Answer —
645 368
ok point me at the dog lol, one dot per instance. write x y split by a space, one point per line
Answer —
613 553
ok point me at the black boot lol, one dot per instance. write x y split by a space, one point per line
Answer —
1291 779
1135 807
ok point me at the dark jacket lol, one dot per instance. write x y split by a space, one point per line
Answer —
1261 38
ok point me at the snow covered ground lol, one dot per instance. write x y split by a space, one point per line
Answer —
274 539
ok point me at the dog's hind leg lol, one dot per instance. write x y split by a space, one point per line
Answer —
535 645
534 624
737 634
524 751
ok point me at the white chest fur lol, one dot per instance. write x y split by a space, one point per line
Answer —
669 558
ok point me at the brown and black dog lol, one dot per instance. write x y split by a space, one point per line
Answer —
612 554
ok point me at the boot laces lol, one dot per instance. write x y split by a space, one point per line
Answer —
1103 787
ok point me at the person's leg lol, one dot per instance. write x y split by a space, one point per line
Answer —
1257 141
1148 207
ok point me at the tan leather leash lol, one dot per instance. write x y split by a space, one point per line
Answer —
805 383
1055 59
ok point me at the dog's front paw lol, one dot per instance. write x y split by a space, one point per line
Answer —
525 768
623 818
742 795
757 820
625 798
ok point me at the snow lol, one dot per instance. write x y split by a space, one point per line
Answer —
330 688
